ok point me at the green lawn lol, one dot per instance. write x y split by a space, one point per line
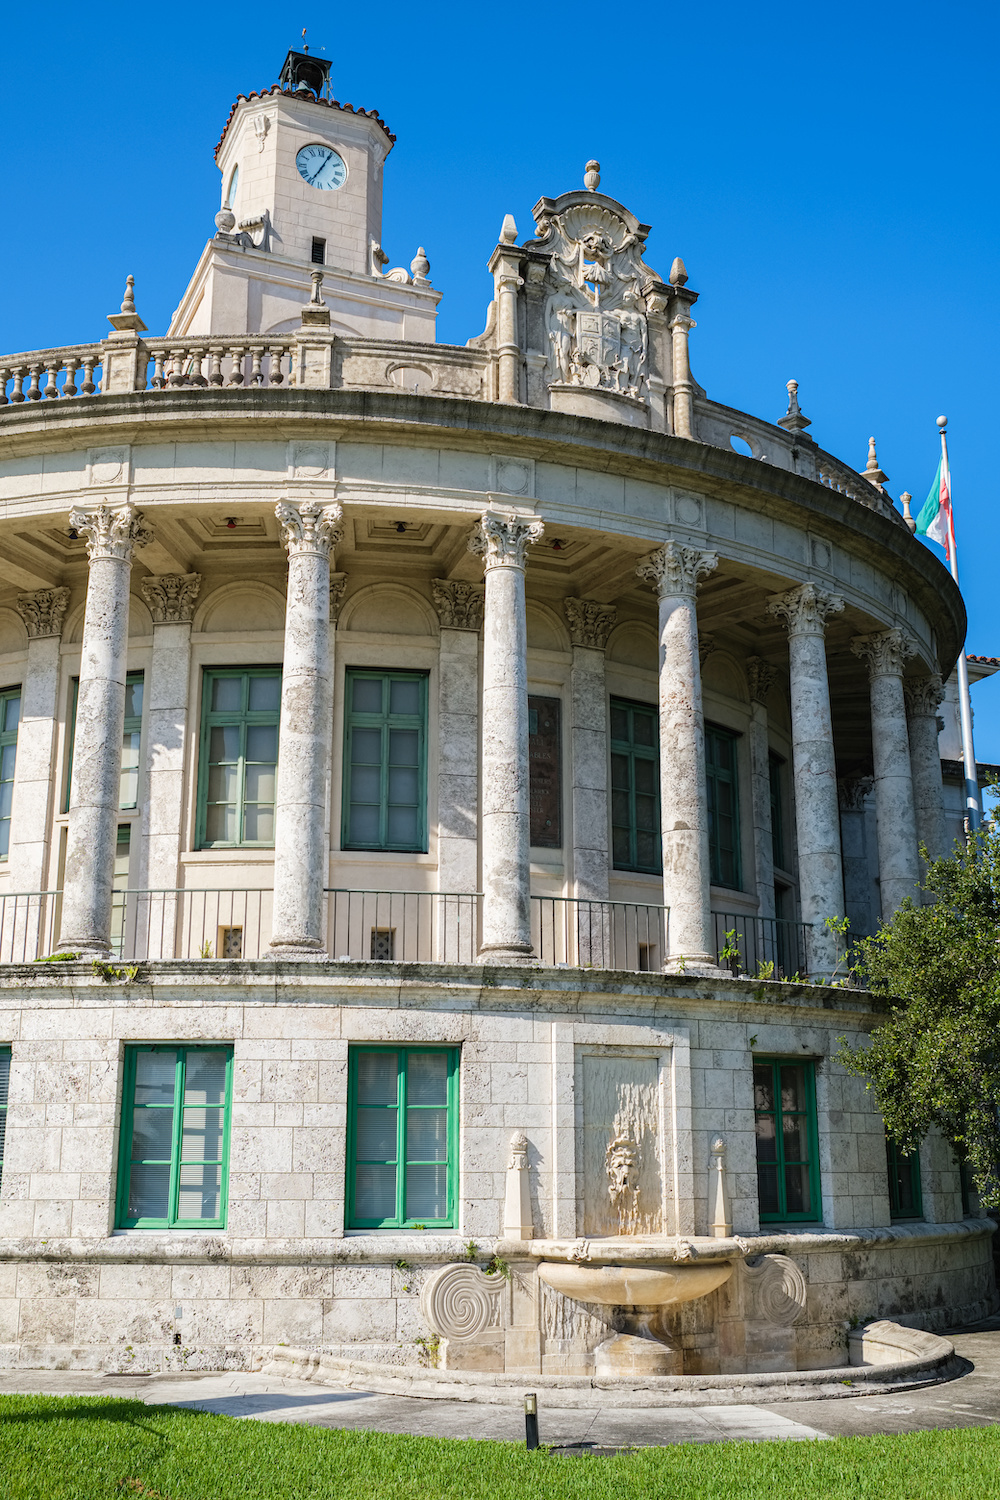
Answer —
96 1448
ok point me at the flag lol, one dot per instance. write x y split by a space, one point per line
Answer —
935 519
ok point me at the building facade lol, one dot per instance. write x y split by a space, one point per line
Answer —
433 778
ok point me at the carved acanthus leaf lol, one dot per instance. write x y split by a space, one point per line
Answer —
518 1152
590 623
706 646
761 677
459 605
310 527
338 583
852 791
923 695
805 610
674 569
503 541
171 597
111 533
885 651
42 612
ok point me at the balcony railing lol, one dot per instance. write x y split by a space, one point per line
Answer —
763 947
404 926
599 934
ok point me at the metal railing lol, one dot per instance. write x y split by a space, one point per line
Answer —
191 923
28 922
765 947
404 926
599 934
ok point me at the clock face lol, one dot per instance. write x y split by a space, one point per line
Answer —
321 167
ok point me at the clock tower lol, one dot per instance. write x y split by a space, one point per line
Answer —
301 187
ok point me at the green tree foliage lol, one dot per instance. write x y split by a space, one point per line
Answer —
935 1058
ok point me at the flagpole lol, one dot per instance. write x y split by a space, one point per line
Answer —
973 806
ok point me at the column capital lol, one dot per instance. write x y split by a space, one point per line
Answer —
761 677
852 791
309 529
590 623
885 651
923 695
171 597
805 610
111 533
503 541
42 612
673 569
338 583
706 646
459 604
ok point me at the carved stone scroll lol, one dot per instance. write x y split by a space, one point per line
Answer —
460 1301
777 1289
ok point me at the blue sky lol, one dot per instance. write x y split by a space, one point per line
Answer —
828 173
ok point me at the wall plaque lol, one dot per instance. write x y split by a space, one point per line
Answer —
545 772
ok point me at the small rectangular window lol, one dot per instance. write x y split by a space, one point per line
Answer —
905 1199
318 252
402 1137
723 806
385 761
635 787
174 1153
776 767
4 1091
239 757
787 1147
128 786
10 713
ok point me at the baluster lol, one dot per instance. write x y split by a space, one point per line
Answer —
69 384
88 387
215 364
52 385
236 373
256 373
4 377
278 353
159 380
177 376
17 394
34 392
195 377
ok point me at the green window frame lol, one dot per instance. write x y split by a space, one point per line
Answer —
10 714
722 781
905 1195
402 1137
635 787
128 793
174 1146
5 1054
776 772
384 805
788 1181
238 764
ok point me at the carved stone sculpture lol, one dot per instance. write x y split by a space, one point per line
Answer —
42 612
777 1289
171 597
460 1301
459 605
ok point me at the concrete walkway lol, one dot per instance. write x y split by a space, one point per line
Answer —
972 1400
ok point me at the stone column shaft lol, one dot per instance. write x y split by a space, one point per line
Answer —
761 676
590 624
817 816
674 572
460 609
31 809
923 698
898 865
100 721
301 837
853 790
506 931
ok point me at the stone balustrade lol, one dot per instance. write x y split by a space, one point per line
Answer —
47 374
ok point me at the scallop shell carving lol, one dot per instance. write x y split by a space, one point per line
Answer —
460 1301
777 1289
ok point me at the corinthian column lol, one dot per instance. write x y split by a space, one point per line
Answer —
460 610
590 624
923 698
301 836
674 572
805 611
31 809
502 543
898 866
111 538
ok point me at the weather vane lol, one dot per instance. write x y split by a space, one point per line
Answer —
305 44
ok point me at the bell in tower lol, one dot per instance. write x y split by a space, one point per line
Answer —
302 72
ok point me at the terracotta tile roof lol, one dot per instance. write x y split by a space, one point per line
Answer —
289 94
984 661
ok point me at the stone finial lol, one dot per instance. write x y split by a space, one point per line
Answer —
508 230
420 267
761 677
673 569
904 501
225 220
338 583
127 320
793 420
316 314
171 597
885 651
923 695
590 623
503 541
310 527
805 610
722 1220
459 604
852 791
316 298
872 472
42 612
592 176
111 533
128 301
678 272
